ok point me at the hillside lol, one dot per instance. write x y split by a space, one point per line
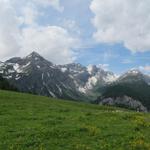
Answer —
5 85
29 122
140 92
133 85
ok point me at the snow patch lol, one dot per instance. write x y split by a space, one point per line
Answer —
11 71
1 71
82 89
19 69
51 93
24 66
91 82
60 90
17 78
63 69
8 77
110 78
16 66
38 67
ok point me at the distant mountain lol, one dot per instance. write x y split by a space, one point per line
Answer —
134 75
88 78
37 75
134 85
34 74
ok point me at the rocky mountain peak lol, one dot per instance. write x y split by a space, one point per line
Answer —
92 69
134 72
34 54
132 75
37 60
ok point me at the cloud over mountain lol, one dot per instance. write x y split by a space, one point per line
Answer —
21 33
124 22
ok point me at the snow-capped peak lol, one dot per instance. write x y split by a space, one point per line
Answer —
133 71
92 69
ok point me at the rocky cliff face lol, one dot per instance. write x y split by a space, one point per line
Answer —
124 101
34 74
87 78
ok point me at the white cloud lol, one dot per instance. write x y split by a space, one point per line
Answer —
54 3
21 34
29 14
127 61
39 3
145 68
71 25
30 10
108 55
53 42
9 30
104 66
126 22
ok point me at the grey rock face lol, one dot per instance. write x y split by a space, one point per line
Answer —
134 75
37 75
124 101
34 74
87 78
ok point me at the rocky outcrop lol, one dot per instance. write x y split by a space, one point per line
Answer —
124 101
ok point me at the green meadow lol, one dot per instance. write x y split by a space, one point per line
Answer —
29 122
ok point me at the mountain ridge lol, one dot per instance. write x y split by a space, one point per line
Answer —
34 74
133 85
15 69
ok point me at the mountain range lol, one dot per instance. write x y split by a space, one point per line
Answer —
34 74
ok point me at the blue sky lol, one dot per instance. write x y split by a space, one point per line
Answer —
117 56
93 32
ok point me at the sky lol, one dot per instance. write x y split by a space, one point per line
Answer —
114 34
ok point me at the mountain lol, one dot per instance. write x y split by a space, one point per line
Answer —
35 74
134 75
131 90
88 78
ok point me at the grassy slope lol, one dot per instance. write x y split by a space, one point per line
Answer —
30 122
